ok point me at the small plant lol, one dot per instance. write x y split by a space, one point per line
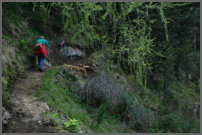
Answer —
54 117
72 125
62 131
22 43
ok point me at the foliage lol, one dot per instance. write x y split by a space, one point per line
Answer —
43 11
173 122
72 125
157 44
144 38
25 48
186 97
79 18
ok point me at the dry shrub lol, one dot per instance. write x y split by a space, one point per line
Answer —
104 88
136 114
7 56
14 31
100 89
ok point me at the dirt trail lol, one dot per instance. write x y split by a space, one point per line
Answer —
27 110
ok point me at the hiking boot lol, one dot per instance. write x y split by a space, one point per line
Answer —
40 69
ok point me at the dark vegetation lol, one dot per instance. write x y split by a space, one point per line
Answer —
155 47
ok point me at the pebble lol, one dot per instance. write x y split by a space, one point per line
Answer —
40 122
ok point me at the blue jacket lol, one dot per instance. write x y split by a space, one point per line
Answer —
44 42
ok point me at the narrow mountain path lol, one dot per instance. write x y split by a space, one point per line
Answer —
27 110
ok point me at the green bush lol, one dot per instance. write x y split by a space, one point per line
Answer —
25 48
185 95
168 123
22 43
171 123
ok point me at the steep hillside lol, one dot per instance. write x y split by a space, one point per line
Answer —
112 68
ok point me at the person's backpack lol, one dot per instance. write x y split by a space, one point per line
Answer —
37 46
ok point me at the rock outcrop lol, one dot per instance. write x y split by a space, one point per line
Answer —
71 53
